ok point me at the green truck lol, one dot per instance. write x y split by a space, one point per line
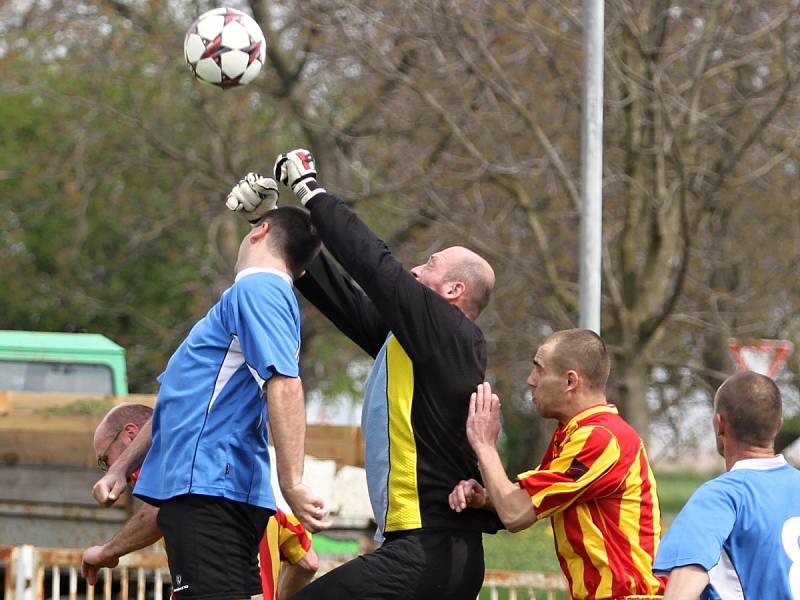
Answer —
79 363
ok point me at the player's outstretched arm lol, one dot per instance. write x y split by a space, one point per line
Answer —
287 415
111 485
418 316
686 583
512 503
139 531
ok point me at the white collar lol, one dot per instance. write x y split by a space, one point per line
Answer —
254 270
760 464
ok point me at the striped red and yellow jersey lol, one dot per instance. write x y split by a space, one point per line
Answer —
596 485
285 539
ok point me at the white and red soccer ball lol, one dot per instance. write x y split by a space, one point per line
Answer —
225 47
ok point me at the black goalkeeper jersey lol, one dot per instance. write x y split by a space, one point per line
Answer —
429 358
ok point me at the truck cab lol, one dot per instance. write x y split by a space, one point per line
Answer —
72 363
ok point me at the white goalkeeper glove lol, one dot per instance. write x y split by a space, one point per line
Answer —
254 196
298 170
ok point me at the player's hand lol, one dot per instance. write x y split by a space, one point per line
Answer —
94 559
307 507
468 493
298 170
483 421
110 487
254 196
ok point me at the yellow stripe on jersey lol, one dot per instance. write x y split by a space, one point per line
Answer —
570 490
403 510
272 535
630 516
594 544
574 563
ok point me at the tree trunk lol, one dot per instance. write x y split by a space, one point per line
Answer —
628 390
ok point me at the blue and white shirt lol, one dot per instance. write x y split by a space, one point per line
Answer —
743 527
210 420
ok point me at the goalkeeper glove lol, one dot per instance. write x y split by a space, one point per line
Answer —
298 170
253 196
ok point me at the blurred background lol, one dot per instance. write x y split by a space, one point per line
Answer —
441 122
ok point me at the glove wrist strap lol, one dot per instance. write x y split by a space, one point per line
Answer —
305 189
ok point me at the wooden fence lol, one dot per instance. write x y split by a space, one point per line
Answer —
50 573
24 424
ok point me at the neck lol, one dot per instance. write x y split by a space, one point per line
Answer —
735 452
580 404
463 309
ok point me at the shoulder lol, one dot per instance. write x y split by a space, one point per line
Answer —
267 279
264 285
617 427
593 437
724 489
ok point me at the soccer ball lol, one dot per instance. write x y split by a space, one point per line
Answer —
225 47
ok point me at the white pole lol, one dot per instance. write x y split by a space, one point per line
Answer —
592 166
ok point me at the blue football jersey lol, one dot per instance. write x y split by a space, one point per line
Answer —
210 420
743 527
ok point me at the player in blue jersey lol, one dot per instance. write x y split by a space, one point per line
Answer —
207 467
739 534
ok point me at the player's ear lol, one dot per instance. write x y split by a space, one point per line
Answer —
572 380
259 232
131 430
719 423
455 289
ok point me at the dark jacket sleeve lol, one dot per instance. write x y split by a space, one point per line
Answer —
343 304
419 317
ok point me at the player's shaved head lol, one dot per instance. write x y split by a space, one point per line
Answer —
751 405
582 351
477 275
118 417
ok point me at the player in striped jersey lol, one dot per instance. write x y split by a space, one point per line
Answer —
594 482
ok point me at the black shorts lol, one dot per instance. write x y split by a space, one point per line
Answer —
435 564
212 546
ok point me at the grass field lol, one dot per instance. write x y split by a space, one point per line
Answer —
533 549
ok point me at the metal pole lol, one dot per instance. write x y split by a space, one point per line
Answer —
592 166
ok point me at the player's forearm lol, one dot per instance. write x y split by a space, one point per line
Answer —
287 417
686 583
140 531
351 242
294 577
133 456
511 503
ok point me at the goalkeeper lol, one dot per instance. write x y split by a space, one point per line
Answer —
429 355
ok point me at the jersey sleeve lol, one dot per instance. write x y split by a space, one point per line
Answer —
293 539
698 533
588 454
267 324
420 318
